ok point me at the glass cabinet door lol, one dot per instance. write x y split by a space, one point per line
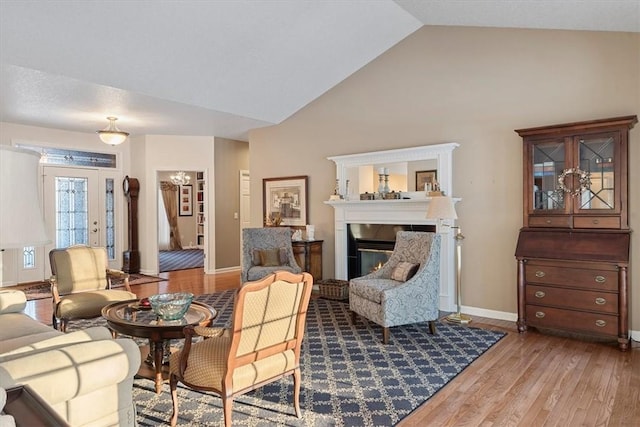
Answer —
597 158
548 164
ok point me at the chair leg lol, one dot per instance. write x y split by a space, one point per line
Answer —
173 384
385 335
227 402
54 321
63 325
296 392
432 327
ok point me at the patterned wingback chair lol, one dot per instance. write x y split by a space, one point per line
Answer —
81 283
263 344
388 298
266 250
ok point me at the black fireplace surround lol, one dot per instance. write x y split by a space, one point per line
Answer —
369 244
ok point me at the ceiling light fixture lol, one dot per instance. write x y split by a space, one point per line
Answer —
180 178
112 135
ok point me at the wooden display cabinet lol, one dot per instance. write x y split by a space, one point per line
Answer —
573 250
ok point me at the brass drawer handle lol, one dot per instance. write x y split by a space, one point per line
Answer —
539 294
539 314
601 323
600 279
596 221
548 221
601 301
540 273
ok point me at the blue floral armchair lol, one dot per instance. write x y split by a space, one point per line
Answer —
265 251
390 296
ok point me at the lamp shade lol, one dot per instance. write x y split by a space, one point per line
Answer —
112 135
441 207
21 222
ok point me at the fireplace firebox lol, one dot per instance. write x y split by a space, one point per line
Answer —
369 246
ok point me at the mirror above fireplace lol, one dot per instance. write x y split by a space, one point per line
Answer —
361 170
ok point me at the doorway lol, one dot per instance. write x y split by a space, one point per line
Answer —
182 221
245 203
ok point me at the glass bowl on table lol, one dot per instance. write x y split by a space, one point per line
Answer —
171 306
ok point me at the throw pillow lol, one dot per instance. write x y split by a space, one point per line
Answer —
270 257
282 255
404 271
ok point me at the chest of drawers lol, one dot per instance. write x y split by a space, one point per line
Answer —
580 284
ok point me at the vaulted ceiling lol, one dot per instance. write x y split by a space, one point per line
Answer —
223 67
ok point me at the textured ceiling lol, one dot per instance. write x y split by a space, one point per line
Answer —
224 67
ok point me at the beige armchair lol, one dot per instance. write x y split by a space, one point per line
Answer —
81 284
262 346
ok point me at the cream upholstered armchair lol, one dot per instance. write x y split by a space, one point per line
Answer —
262 345
266 250
405 289
81 283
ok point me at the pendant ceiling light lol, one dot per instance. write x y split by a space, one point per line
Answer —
112 135
180 178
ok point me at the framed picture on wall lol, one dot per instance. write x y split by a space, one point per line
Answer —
185 200
426 179
285 201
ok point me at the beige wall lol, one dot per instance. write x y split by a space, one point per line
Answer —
473 86
231 156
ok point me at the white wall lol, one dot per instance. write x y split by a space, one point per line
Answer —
12 134
155 153
140 157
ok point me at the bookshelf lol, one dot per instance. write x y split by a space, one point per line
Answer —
200 218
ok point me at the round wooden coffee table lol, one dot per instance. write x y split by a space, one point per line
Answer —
128 318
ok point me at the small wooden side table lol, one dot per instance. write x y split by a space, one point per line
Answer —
127 318
308 255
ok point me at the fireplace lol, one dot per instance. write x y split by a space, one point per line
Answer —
369 246
356 172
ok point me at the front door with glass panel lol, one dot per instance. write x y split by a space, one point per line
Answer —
79 209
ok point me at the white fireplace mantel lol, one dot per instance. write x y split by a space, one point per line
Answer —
398 211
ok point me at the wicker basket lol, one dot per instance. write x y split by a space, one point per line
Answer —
333 289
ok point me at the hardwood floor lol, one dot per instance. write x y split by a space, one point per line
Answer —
530 379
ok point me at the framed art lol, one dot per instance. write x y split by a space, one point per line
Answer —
426 179
285 201
185 200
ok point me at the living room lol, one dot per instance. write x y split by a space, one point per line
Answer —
473 85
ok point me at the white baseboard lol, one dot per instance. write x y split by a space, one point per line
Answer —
227 269
491 314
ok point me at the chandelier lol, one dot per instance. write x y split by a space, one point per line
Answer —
180 178
112 135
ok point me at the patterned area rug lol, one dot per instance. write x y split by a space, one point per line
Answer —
349 378
42 290
180 260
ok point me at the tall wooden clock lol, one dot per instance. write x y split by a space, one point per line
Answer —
131 257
